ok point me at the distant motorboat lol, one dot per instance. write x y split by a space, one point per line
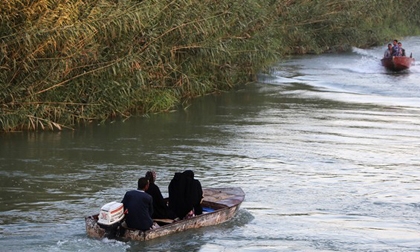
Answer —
398 63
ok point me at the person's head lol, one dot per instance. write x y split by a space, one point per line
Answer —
143 184
395 42
389 46
399 44
189 174
151 176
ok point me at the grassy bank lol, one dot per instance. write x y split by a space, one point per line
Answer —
65 63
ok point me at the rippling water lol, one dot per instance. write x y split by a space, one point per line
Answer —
325 148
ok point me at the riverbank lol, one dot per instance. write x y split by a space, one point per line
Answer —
70 63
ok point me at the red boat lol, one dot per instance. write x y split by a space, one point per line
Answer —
397 63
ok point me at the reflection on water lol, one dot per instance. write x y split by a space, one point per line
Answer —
325 149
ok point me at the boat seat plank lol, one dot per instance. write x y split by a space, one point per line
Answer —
164 220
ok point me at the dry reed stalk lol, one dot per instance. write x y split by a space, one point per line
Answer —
85 60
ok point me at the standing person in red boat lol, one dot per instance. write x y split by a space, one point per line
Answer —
401 51
395 48
388 52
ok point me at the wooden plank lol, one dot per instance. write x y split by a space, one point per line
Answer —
164 220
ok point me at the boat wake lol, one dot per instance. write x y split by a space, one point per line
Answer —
367 53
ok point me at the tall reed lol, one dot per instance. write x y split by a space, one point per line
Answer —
65 63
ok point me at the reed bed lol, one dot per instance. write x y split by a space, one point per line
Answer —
66 63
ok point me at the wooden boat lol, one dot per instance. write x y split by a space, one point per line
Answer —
397 63
221 203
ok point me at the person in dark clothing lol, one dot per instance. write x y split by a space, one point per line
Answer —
197 192
160 208
179 202
185 194
138 207
395 48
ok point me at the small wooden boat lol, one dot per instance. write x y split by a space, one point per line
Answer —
221 204
397 63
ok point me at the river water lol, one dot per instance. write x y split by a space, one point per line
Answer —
325 148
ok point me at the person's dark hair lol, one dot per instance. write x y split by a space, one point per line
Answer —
142 183
151 176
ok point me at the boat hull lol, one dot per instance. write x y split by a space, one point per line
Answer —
224 201
397 63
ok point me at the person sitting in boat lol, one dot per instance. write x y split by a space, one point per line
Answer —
185 194
160 208
401 51
138 207
395 48
197 192
388 52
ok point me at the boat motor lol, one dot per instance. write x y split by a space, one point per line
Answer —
110 218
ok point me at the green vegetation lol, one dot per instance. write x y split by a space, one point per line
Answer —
65 63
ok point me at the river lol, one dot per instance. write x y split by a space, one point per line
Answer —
324 146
